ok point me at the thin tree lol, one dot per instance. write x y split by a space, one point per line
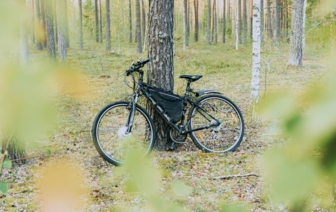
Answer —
66 25
214 21
43 22
62 52
55 20
161 50
224 22
50 29
100 22
80 7
39 37
108 27
143 22
130 39
185 23
269 19
32 20
239 22
244 22
196 24
96 20
262 20
277 21
256 58
209 23
296 39
138 27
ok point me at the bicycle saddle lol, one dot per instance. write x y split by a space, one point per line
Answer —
191 78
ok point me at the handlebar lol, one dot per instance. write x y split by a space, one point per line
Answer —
136 66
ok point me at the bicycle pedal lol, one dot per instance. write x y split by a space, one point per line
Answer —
171 147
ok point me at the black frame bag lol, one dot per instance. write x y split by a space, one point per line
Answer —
172 104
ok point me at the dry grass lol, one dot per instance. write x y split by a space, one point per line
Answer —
224 69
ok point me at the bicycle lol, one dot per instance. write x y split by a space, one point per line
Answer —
214 122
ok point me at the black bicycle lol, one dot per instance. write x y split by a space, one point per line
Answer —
214 123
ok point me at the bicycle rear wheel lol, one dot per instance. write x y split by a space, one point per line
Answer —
223 138
109 132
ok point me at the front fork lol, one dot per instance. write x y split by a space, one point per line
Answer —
132 107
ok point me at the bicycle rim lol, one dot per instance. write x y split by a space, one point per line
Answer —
110 136
223 138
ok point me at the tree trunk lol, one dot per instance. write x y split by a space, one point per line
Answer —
262 20
55 21
161 50
66 25
239 22
244 21
255 82
50 29
100 22
209 23
229 21
138 27
143 22
32 21
61 31
185 23
80 24
39 37
277 21
96 20
43 22
224 22
108 27
269 19
296 44
130 39
196 24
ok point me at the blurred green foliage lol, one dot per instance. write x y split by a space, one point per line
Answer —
301 172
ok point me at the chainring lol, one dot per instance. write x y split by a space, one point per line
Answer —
177 137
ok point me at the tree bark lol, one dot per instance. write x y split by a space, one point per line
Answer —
130 39
62 52
185 23
239 22
224 22
143 22
244 21
108 26
161 50
196 24
32 21
262 20
209 23
66 25
39 37
50 29
96 20
255 82
80 7
296 44
277 21
138 27
100 12
269 19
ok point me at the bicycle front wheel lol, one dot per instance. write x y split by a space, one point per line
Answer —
223 138
109 132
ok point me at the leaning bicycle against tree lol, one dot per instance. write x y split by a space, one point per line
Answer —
214 123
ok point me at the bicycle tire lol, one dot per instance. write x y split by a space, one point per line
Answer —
109 127
228 136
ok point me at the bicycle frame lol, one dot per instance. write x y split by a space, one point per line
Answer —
142 88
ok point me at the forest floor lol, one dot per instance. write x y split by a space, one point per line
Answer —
224 69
